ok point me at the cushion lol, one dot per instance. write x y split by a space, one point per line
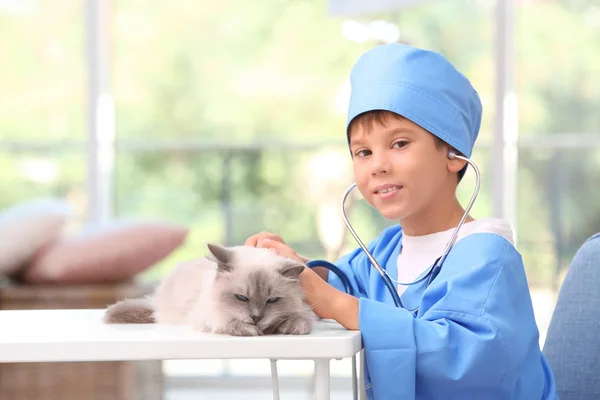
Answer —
109 254
26 228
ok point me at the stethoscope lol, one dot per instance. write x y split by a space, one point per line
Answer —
433 271
431 274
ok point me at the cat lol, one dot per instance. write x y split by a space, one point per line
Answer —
240 291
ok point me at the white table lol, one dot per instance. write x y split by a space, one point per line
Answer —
80 335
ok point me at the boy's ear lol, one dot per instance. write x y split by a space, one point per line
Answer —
455 164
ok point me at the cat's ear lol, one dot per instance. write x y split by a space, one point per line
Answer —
292 270
222 257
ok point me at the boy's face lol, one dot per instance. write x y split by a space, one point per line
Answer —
398 167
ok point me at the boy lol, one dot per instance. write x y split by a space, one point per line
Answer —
474 335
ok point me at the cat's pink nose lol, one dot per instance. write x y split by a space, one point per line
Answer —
256 318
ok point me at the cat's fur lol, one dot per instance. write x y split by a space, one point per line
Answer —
239 290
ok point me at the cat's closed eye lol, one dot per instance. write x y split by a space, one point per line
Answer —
241 297
273 300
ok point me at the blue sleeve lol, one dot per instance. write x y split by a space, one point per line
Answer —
445 349
473 332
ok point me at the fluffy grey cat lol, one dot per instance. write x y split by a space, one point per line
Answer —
242 291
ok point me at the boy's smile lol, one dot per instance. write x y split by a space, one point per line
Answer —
387 192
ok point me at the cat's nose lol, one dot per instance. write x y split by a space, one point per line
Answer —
256 318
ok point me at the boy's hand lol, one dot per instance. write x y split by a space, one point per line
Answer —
259 238
274 242
280 248
328 302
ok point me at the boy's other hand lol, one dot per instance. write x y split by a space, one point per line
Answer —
274 242
258 239
281 249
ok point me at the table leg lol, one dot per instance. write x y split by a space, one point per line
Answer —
361 377
275 379
322 390
354 379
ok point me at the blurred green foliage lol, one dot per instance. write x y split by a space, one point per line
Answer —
256 87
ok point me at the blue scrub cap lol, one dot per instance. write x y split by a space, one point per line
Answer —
420 85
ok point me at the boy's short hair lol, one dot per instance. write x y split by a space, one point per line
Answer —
378 117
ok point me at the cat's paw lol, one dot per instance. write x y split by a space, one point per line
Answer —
299 325
238 328
248 330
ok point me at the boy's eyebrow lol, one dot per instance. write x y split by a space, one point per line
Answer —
402 129
387 132
354 142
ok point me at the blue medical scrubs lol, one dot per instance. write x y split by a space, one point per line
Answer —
474 335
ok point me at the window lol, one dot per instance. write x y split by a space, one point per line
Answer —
228 118
42 112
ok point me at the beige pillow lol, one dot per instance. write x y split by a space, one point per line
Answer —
111 254
28 227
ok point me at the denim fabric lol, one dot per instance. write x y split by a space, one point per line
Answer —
572 345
